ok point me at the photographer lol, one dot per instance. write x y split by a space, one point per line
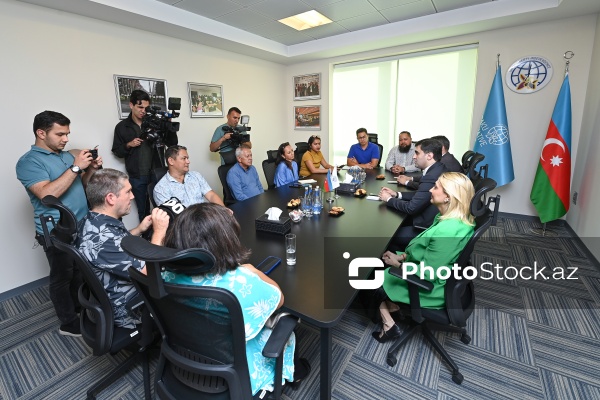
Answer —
140 155
221 140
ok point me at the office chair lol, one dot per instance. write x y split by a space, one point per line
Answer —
380 154
203 353
470 160
228 198
459 293
269 167
301 148
96 317
155 176
466 161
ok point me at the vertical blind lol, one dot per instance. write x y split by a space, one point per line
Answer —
426 93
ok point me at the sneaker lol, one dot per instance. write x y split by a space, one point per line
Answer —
71 329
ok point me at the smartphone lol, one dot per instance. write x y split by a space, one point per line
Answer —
268 264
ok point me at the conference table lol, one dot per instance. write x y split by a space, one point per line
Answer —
317 288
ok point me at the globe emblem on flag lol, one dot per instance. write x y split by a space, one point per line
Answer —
529 74
497 135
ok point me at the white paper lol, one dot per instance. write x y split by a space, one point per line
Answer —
373 198
348 178
393 182
273 213
306 181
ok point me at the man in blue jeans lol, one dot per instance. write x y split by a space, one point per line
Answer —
140 155
48 169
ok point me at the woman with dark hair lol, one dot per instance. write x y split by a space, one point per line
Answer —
313 159
211 227
287 168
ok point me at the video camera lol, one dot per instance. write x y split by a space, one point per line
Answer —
237 135
156 124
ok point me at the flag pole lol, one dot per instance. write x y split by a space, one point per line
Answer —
543 232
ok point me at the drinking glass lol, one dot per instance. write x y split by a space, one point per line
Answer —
290 249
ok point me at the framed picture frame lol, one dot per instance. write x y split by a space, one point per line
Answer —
307 118
205 100
124 85
307 87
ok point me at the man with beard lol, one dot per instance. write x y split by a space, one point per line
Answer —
400 158
109 193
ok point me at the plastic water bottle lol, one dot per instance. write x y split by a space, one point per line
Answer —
317 201
307 208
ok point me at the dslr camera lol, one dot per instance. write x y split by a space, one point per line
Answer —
238 133
156 124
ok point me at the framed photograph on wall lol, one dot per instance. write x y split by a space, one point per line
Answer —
307 87
307 118
124 85
205 100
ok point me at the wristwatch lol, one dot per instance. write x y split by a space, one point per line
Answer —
75 169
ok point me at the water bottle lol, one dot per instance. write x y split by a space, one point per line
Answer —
307 202
317 201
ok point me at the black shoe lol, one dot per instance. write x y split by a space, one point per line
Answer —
390 334
301 370
71 329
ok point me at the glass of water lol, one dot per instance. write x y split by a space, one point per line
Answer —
290 249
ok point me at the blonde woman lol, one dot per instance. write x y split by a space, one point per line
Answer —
439 245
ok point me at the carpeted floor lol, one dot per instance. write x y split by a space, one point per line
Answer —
532 338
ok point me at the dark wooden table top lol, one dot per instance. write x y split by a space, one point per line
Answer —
362 231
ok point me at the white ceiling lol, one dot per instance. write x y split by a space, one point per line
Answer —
250 26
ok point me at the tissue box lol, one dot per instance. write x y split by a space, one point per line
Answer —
281 226
347 188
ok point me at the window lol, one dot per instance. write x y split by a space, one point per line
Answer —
427 93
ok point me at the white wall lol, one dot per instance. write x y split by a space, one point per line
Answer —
584 217
528 115
64 62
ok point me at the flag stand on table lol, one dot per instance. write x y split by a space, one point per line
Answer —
551 187
331 183
493 139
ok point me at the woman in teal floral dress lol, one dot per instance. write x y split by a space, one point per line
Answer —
212 227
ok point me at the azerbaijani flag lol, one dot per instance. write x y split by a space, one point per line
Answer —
332 181
552 183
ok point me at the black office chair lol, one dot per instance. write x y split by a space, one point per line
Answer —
155 176
269 167
228 198
203 353
380 154
470 161
97 318
459 293
301 148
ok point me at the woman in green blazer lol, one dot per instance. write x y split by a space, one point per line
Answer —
439 245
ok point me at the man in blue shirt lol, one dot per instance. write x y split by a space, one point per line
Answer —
242 178
189 187
48 169
364 153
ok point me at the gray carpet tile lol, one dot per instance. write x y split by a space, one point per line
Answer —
574 356
557 386
531 339
498 295
593 287
562 312
26 301
501 333
364 379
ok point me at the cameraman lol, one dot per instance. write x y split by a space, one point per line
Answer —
221 140
140 156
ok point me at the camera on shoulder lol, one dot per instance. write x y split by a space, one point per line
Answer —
156 124
238 133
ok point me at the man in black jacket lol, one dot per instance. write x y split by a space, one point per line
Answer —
417 205
451 163
140 156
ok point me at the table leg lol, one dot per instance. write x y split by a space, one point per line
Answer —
326 372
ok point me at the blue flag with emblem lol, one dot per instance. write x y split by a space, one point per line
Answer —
492 139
